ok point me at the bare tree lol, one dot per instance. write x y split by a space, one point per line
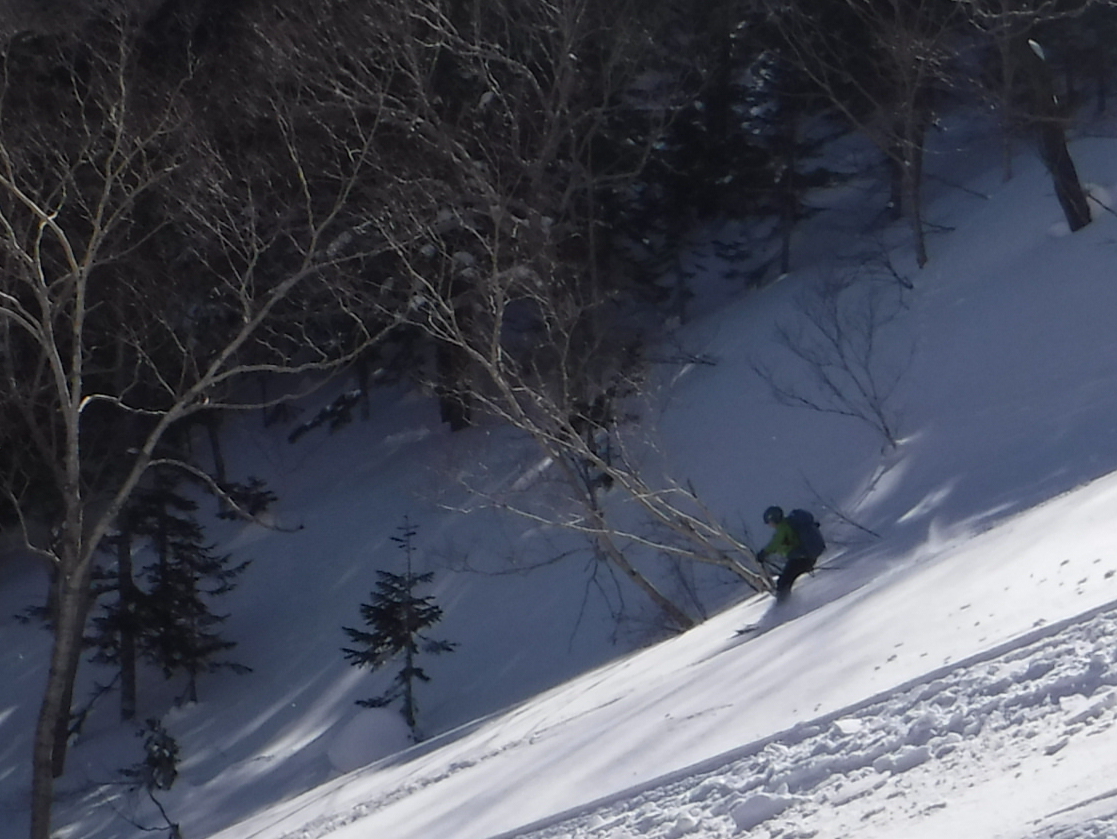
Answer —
881 65
570 409
103 353
502 254
432 166
840 343
1011 26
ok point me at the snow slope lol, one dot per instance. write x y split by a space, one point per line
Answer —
836 703
1015 741
953 672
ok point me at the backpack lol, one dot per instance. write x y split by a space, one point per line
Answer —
808 531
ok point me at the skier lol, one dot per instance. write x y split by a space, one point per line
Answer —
786 542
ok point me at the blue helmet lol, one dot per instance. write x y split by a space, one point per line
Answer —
773 515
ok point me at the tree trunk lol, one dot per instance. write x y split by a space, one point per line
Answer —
364 380
410 712
788 188
194 664
1068 188
913 187
190 697
1052 138
678 618
212 422
905 163
127 586
49 750
453 398
896 182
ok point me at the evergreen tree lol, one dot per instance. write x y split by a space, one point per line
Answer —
168 621
250 499
158 771
115 628
159 768
396 618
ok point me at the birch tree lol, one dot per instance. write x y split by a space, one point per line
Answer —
143 277
880 64
504 256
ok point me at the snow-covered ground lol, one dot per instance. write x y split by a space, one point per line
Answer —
933 685
1016 741
952 667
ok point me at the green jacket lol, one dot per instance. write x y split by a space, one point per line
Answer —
784 540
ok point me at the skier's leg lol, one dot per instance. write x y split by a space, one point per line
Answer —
784 582
783 588
796 565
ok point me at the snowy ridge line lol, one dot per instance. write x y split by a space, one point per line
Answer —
805 729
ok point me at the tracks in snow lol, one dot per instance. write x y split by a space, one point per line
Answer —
896 760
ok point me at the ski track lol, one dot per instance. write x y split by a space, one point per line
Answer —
892 762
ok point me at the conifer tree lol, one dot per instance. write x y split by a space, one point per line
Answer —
158 771
159 768
115 628
396 617
168 621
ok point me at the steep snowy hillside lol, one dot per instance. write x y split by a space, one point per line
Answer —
955 650
903 702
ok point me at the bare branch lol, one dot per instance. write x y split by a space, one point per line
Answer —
837 341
